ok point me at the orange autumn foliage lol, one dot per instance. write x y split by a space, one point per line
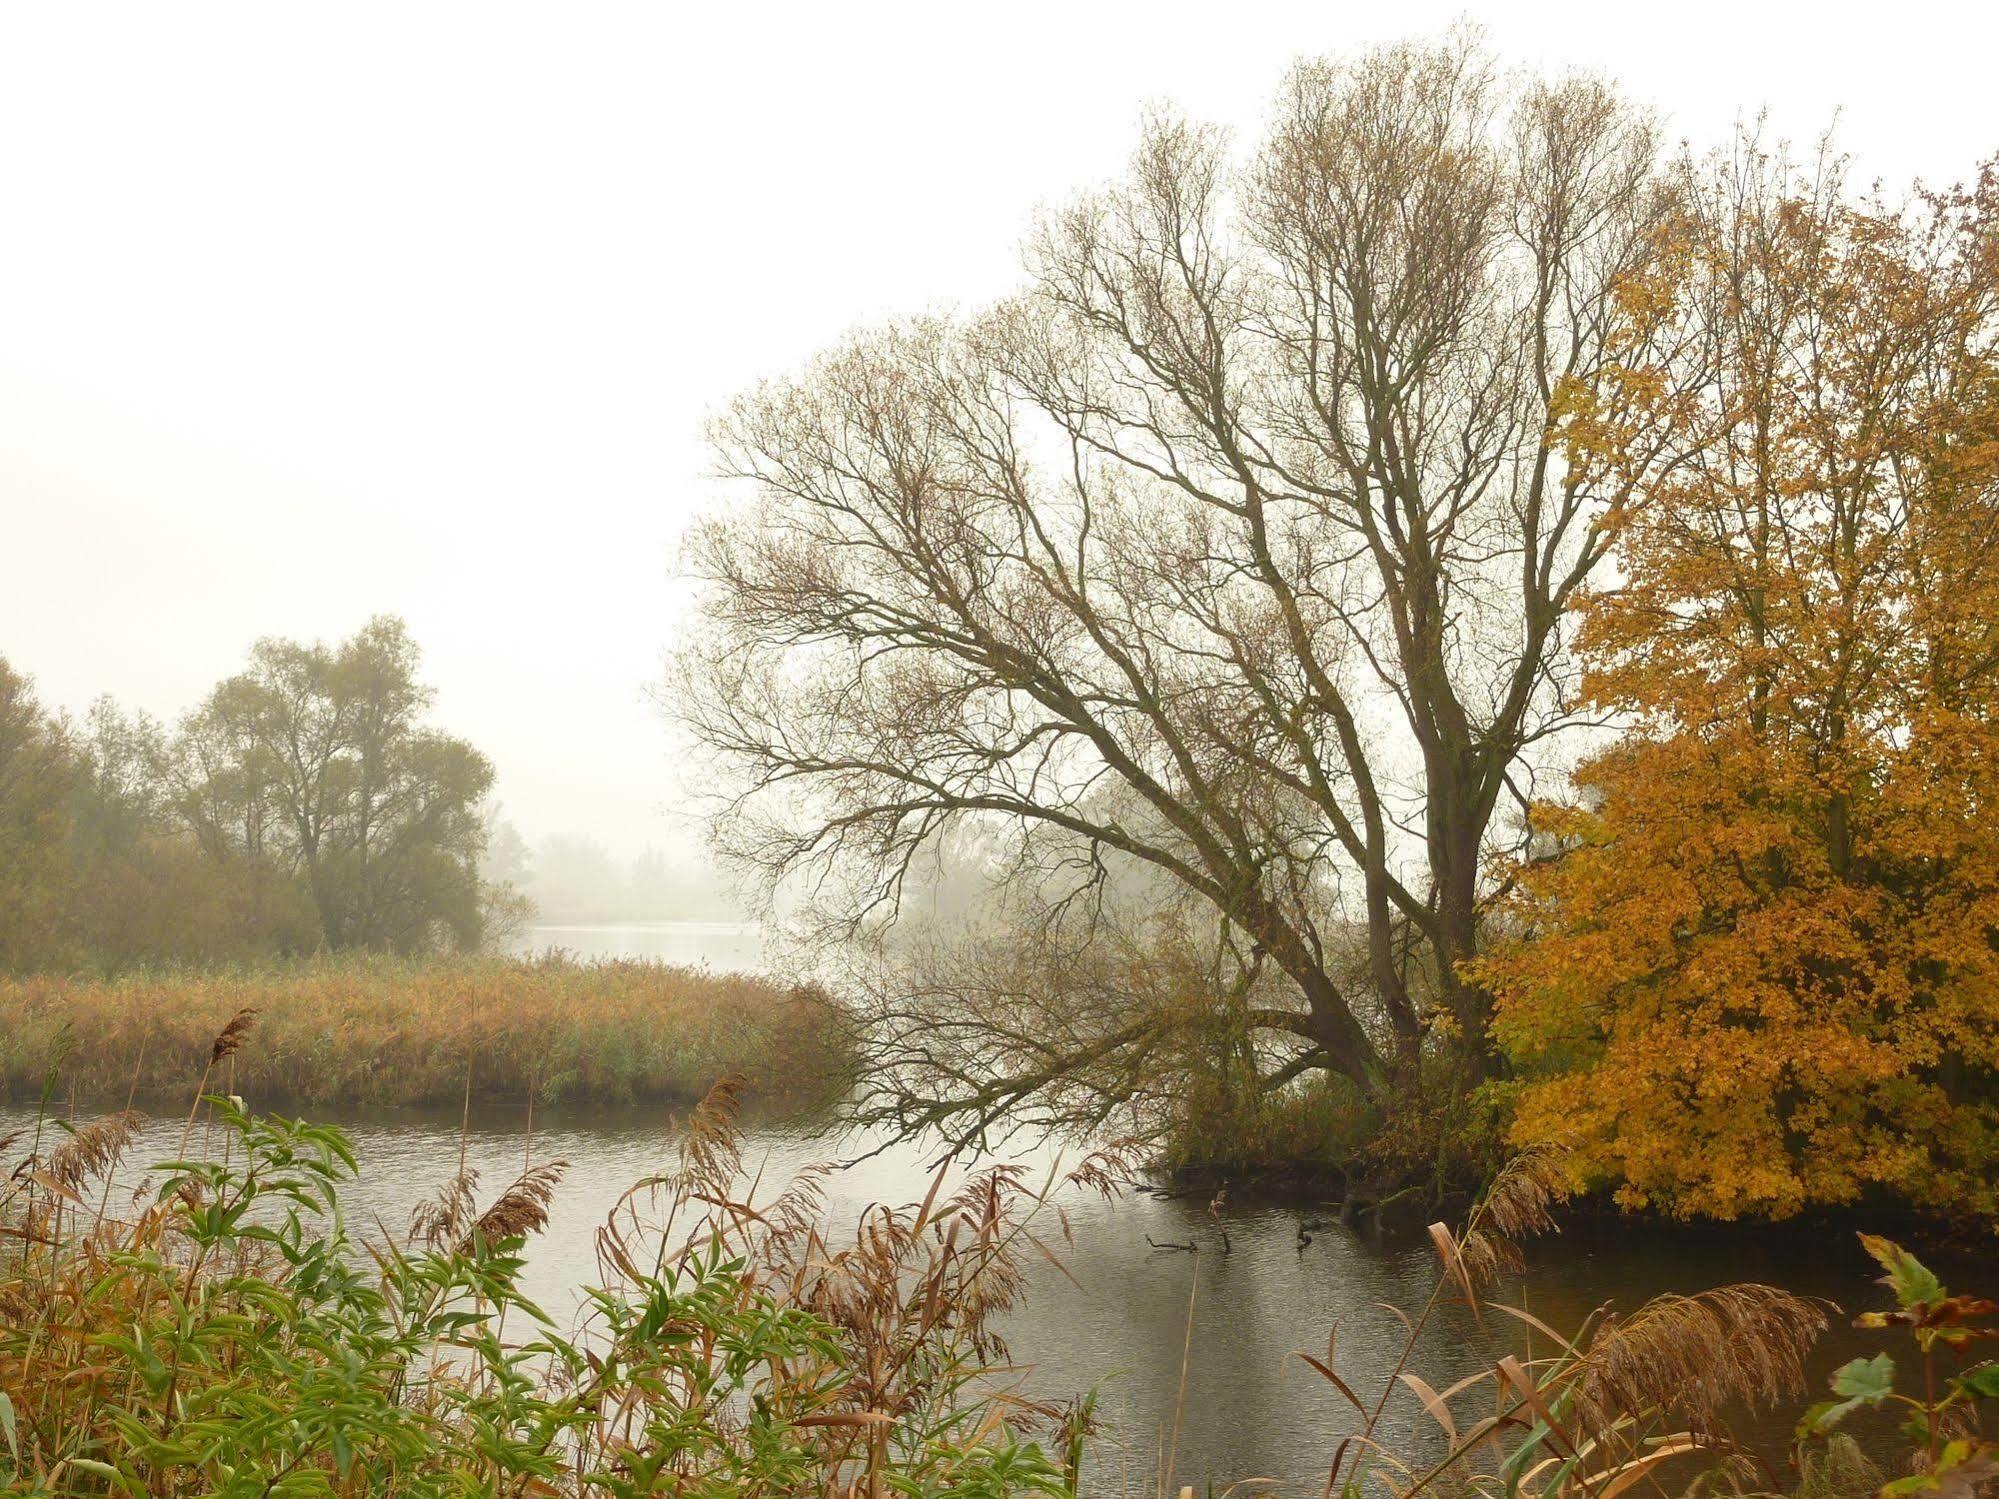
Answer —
1757 968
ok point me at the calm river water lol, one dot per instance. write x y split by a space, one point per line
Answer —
1118 1320
1121 1325
721 945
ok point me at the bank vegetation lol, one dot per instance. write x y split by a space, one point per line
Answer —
222 1331
381 1030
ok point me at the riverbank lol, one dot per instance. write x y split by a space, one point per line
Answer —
406 1032
1193 1356
1322 1193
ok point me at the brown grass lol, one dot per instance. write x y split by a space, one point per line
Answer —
1697 1356
403 1032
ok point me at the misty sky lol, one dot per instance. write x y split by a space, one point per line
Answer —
310 313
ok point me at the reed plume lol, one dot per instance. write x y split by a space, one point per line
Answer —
711 1156
1518 1205
229 1040
1110 1168
1695 1356
436 1220
520 1210
94 1149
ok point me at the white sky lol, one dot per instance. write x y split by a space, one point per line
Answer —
312 312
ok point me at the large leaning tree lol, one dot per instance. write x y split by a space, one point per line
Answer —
1236 548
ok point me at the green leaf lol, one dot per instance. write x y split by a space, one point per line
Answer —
1982 1381
1917 1483
1869 1379
1818 1419
1864 1381
102 1470
1907 1276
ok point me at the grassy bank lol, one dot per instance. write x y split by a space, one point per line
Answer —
403 1032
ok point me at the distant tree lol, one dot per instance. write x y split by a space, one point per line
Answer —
315 761
140 888
1758 969
508 859
676 888
41 770
1240 547
577 879
224 794
655 884
506 866
131 761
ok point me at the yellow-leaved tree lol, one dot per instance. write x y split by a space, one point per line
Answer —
1755 966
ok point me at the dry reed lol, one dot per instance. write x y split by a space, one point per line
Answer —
1696 1356
93 1149
522 1209
378 1031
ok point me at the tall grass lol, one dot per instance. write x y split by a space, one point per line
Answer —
404 1031
1590 1413
226 1335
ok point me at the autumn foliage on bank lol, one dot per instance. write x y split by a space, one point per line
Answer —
1755 967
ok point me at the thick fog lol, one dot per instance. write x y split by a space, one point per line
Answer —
307 315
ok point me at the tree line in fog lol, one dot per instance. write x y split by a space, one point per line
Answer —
306 803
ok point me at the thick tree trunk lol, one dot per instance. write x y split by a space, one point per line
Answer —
1457 841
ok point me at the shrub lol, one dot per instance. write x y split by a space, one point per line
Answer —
1951 1456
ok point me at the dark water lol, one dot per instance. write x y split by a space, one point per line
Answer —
1119 1319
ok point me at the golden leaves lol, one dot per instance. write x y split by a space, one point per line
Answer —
1747 972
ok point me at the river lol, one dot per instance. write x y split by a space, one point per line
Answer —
721 945
1116 1315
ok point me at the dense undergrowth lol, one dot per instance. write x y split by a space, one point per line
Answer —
392 1031
1434 1146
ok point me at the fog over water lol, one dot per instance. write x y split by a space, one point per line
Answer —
725 946
421 310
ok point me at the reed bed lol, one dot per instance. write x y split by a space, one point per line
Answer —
384 1031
